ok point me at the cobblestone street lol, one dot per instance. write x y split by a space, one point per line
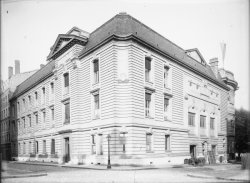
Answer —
160 174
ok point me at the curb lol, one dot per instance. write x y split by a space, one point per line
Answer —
89 168
220 178
23 176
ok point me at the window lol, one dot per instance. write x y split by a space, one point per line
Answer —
19 148
52 146
203 121
93 144
232 124
96 106
36 116
191 119
96 71
147 68
66 83
166 73
52 88
100 151
211 123
24 148
66 113
167 142
148 142
166 104
44 117
147 104
52 114
44 146
24 105
29 147
13 111
24 122
123 137
36 98
214 149
30 120
192 150
29 98
43 95
36 147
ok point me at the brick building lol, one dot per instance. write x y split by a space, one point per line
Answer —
7 89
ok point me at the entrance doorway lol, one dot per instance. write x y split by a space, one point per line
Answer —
193 151
67 150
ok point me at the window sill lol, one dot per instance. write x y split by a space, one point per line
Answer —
168 151
66 122
167 119
149 117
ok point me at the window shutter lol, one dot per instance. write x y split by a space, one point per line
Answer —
148 96
147 63
166 101
96 65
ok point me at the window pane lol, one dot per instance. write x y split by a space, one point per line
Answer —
96 65
202 121
167 142
148 96
191 118
66 79
147 63
67 111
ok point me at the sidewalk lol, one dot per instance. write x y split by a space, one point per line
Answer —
94 167
228 172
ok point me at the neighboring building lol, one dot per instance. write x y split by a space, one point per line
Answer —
159 103
228 78
7 89
242 133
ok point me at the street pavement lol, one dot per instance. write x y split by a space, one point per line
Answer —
119 174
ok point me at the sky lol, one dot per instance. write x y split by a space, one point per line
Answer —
30 28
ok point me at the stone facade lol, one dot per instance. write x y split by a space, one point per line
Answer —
158 103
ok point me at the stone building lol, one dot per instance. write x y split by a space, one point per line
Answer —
159 102
228 78
7 89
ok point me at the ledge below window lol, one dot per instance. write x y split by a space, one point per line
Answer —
66 122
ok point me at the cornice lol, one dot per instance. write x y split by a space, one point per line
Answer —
149 46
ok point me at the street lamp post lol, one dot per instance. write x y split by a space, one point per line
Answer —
109 165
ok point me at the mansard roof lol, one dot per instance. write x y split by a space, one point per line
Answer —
35 79
125 27
120 27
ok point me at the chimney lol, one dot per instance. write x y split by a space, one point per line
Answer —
41 66
10 71
214 62
17 66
